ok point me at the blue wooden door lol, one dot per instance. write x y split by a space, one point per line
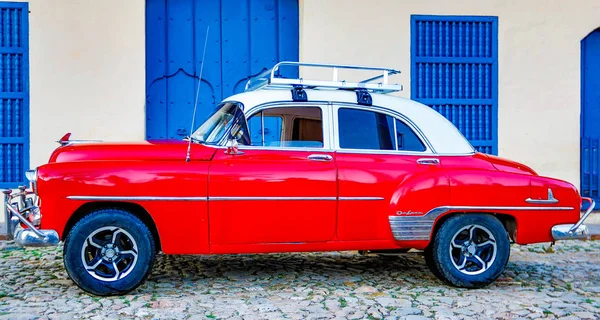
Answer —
590 114
14 93
245 38
454 63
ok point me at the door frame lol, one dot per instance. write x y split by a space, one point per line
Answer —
582 126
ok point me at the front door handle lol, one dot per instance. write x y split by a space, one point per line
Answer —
429 161
320 157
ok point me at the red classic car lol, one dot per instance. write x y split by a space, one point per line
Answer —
293 165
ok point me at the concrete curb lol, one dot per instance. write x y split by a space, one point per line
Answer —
594 218
594 230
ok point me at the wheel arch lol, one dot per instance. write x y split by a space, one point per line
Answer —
508 221
134 208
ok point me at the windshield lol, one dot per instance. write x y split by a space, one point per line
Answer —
227 118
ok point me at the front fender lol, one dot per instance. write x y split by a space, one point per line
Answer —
162 188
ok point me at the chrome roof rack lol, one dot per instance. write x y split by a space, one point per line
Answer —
271 79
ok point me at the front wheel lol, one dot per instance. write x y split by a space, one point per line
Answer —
109 252
469 250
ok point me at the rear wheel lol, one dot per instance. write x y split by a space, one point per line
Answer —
469 250
109 252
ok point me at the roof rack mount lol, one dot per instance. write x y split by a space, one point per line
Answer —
272 79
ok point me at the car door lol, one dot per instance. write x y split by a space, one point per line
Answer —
282 187
384 168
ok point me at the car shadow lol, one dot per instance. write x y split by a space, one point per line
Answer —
324 268
346 271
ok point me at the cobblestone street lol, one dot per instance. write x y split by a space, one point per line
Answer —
562 282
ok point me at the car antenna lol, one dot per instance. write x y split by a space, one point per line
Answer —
189 148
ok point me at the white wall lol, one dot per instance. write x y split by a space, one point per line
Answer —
539 62
87 66
87 71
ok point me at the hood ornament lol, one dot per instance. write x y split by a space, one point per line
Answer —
65 140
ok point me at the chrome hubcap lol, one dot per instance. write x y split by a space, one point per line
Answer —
109 254
473 249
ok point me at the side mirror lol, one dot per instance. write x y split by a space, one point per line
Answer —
232 147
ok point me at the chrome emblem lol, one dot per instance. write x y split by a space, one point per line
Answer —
409 213
551 199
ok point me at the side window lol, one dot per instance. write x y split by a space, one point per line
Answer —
407 139
362 129
287 127
273 128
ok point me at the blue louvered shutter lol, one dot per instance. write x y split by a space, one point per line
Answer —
14 93
454 63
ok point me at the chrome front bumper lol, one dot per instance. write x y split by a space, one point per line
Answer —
24 212
576 231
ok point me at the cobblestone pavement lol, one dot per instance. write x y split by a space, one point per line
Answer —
561 282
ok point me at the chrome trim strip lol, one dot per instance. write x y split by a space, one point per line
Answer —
272 198
137 198
392 113
395 135
540 201
157 198
406 228
399 152
550 200
507 208
360 198
325 120
244 147
262 127
383 152
333 131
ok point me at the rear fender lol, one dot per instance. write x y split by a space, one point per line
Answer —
514 195
414 198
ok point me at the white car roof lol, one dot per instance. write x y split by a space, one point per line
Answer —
443 136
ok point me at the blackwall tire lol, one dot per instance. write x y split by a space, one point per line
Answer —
428 254
469 250
109 252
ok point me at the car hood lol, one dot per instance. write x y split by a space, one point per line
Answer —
167 150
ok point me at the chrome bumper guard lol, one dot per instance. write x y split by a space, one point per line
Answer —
576 231
28 214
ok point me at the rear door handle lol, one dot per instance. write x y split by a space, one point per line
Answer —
320 157
429 161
